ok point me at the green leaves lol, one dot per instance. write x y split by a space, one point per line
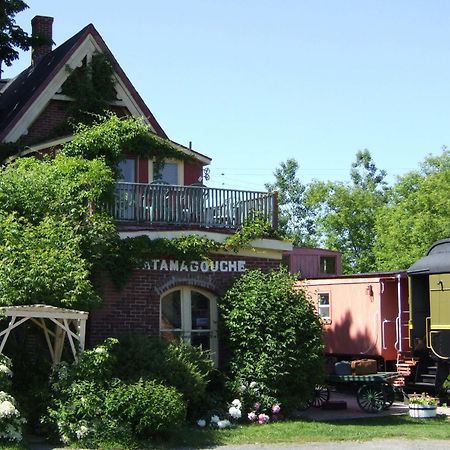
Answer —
417 215
345 213
274 335
42 264
52 242
110 137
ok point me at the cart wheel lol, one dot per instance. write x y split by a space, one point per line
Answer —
321 396
389 395
370 398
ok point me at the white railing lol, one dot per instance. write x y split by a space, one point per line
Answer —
191 205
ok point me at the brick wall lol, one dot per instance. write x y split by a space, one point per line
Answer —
135 309
54 114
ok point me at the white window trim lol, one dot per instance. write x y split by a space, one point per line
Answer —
186 317
325 318
179 163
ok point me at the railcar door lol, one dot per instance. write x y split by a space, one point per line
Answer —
438 326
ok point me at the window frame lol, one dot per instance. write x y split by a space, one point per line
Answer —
319 306
324 258
135 164
180 170
186 329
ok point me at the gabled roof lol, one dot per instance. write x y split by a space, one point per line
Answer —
22 98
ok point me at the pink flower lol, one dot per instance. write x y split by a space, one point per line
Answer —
252 416
276 409
256 406
263 419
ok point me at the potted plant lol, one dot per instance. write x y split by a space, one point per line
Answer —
422 406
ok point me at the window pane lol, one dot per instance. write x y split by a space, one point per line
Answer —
324 305
127 170
168 174
171 311
328 264
171 336
200 311
200 340
324 299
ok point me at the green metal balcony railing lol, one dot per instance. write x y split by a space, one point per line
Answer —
191 205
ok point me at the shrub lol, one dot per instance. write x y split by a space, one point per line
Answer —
76 413
96 365
179 365
11 422
143 409
5 373
136 387
275 336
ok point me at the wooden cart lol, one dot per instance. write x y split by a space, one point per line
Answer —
374 392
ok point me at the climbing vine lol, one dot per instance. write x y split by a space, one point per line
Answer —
91 87
134 252
110 137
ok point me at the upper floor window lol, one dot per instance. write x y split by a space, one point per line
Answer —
328 265
168 173
323 305
127 168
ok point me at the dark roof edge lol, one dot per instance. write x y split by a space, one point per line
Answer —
81 35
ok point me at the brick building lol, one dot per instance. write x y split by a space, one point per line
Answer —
168 297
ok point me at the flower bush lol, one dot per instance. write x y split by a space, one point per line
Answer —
5 373
11 422
423 399
135 388
255 399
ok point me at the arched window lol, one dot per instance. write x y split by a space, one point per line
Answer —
190 314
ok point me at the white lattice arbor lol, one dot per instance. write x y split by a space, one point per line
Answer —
56 323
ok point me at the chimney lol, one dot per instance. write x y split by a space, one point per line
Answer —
41 27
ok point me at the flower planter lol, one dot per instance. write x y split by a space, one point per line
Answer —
422 411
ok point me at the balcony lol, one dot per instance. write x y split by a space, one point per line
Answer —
200 206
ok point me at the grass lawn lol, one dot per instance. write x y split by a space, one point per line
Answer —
311 431
299 431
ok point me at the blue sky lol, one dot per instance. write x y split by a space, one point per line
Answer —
252 83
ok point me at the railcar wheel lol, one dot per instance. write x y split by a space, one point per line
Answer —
371 398
321 396
389 395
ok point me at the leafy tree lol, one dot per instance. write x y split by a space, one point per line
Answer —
346 212
52 241
417 214
275 337
11 35
295 218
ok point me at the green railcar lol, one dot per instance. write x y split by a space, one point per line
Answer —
429 314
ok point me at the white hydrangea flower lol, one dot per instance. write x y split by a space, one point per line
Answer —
7 409
214 419
224 424
82 432
6 370
235 412
201 423
237 403
253 384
